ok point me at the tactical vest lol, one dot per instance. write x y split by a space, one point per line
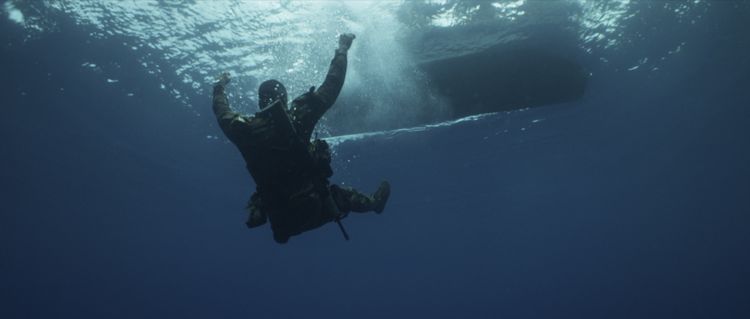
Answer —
283 163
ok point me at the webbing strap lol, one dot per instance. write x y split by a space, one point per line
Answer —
343 231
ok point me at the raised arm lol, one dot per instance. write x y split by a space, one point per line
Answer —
331 87
229 121
309 108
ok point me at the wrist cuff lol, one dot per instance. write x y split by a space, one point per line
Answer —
218 88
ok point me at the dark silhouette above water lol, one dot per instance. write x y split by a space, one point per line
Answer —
516 72
291 172
506 78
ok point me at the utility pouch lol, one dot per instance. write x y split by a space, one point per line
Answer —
256 215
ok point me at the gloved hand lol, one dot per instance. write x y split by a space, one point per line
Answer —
345 41
223 79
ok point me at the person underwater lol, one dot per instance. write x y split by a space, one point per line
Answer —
290 170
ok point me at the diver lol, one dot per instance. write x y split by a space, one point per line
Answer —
290 171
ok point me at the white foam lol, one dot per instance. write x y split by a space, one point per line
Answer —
14 14
337 140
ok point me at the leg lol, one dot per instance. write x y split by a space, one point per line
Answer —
350 200
256 216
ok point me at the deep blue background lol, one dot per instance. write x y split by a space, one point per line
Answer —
631 203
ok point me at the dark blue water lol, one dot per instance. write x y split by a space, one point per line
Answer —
633 202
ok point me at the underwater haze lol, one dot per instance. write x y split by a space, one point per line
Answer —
593 162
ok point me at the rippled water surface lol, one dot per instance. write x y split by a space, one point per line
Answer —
186 44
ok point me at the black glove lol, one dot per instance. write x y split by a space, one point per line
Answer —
345 41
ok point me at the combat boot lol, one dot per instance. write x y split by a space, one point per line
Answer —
381 196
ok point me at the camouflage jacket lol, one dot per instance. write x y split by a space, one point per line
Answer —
274 161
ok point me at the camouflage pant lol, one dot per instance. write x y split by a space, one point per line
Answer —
350 200
307 212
